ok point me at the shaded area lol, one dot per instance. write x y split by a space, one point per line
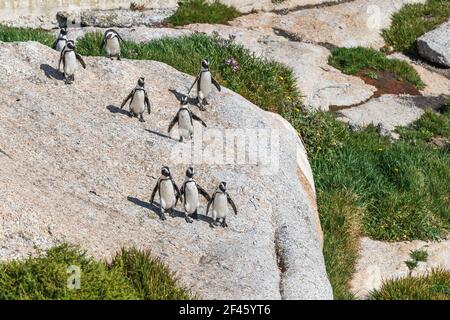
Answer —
153 207
51 72
159 134
114 109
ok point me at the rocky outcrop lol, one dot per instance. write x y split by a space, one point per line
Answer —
348 24
380 261
76 169
434 46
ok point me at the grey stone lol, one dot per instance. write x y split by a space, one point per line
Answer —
64 142
434 46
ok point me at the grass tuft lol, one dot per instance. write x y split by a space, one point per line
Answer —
353 60
433 286
200 11
12 34
414 20
45 277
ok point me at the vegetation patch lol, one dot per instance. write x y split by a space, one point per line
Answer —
412 21
387 75
433 286
53 275
200 11
12 34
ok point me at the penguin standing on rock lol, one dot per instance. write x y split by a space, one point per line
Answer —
190 191
61 40
69 59
139 101
111 42
219 202
184 118
204 83
168 192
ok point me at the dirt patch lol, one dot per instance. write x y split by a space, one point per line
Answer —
387 82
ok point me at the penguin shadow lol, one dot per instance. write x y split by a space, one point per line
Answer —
114 109
159 134
51 72
155 208
180 96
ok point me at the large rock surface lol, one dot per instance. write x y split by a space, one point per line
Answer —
347 24
434 46
76 169
381 261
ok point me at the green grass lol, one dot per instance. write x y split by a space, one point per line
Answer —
199 11
353 60
433 286
414 20
267 84
132 275
11 34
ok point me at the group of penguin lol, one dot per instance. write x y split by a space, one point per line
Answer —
167 189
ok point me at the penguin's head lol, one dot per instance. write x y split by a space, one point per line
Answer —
205 63
165 171
223 186
184 100
63 31
110 35
71 44
190 172
141 81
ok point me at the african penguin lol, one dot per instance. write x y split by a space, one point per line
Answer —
61 40
69 59
219 202
111 42
139 101
204 82
190 191
184 118
168 192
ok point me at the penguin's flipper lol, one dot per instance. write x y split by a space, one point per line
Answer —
209 204
152 198
147 102
55 43
203 193
231 202
127 98
103 43
80 59
214 81
195 81
182 188
172 123
120 38
195 117
177 193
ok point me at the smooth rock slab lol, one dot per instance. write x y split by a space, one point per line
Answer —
390 110
79 170
380 261
349 24
434 46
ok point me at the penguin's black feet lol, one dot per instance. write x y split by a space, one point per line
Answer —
118 58
202 107
188 220
181 139
205 102
211 225
162 217
130 114
141 118
224 224
195 215
171 213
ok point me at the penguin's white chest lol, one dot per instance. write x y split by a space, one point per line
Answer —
205 83
191 197
113 46
220 206
185 127
60 44
70 63
137 104
167 194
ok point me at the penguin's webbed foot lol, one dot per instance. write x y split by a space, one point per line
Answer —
195 215
118 58
141 118
224 224
188 220
202 107
163 217
171 213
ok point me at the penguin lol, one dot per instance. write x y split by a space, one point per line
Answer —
189 193
219 202
69 59
111 42
168 192
61 40
139 101
204 81
184 118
